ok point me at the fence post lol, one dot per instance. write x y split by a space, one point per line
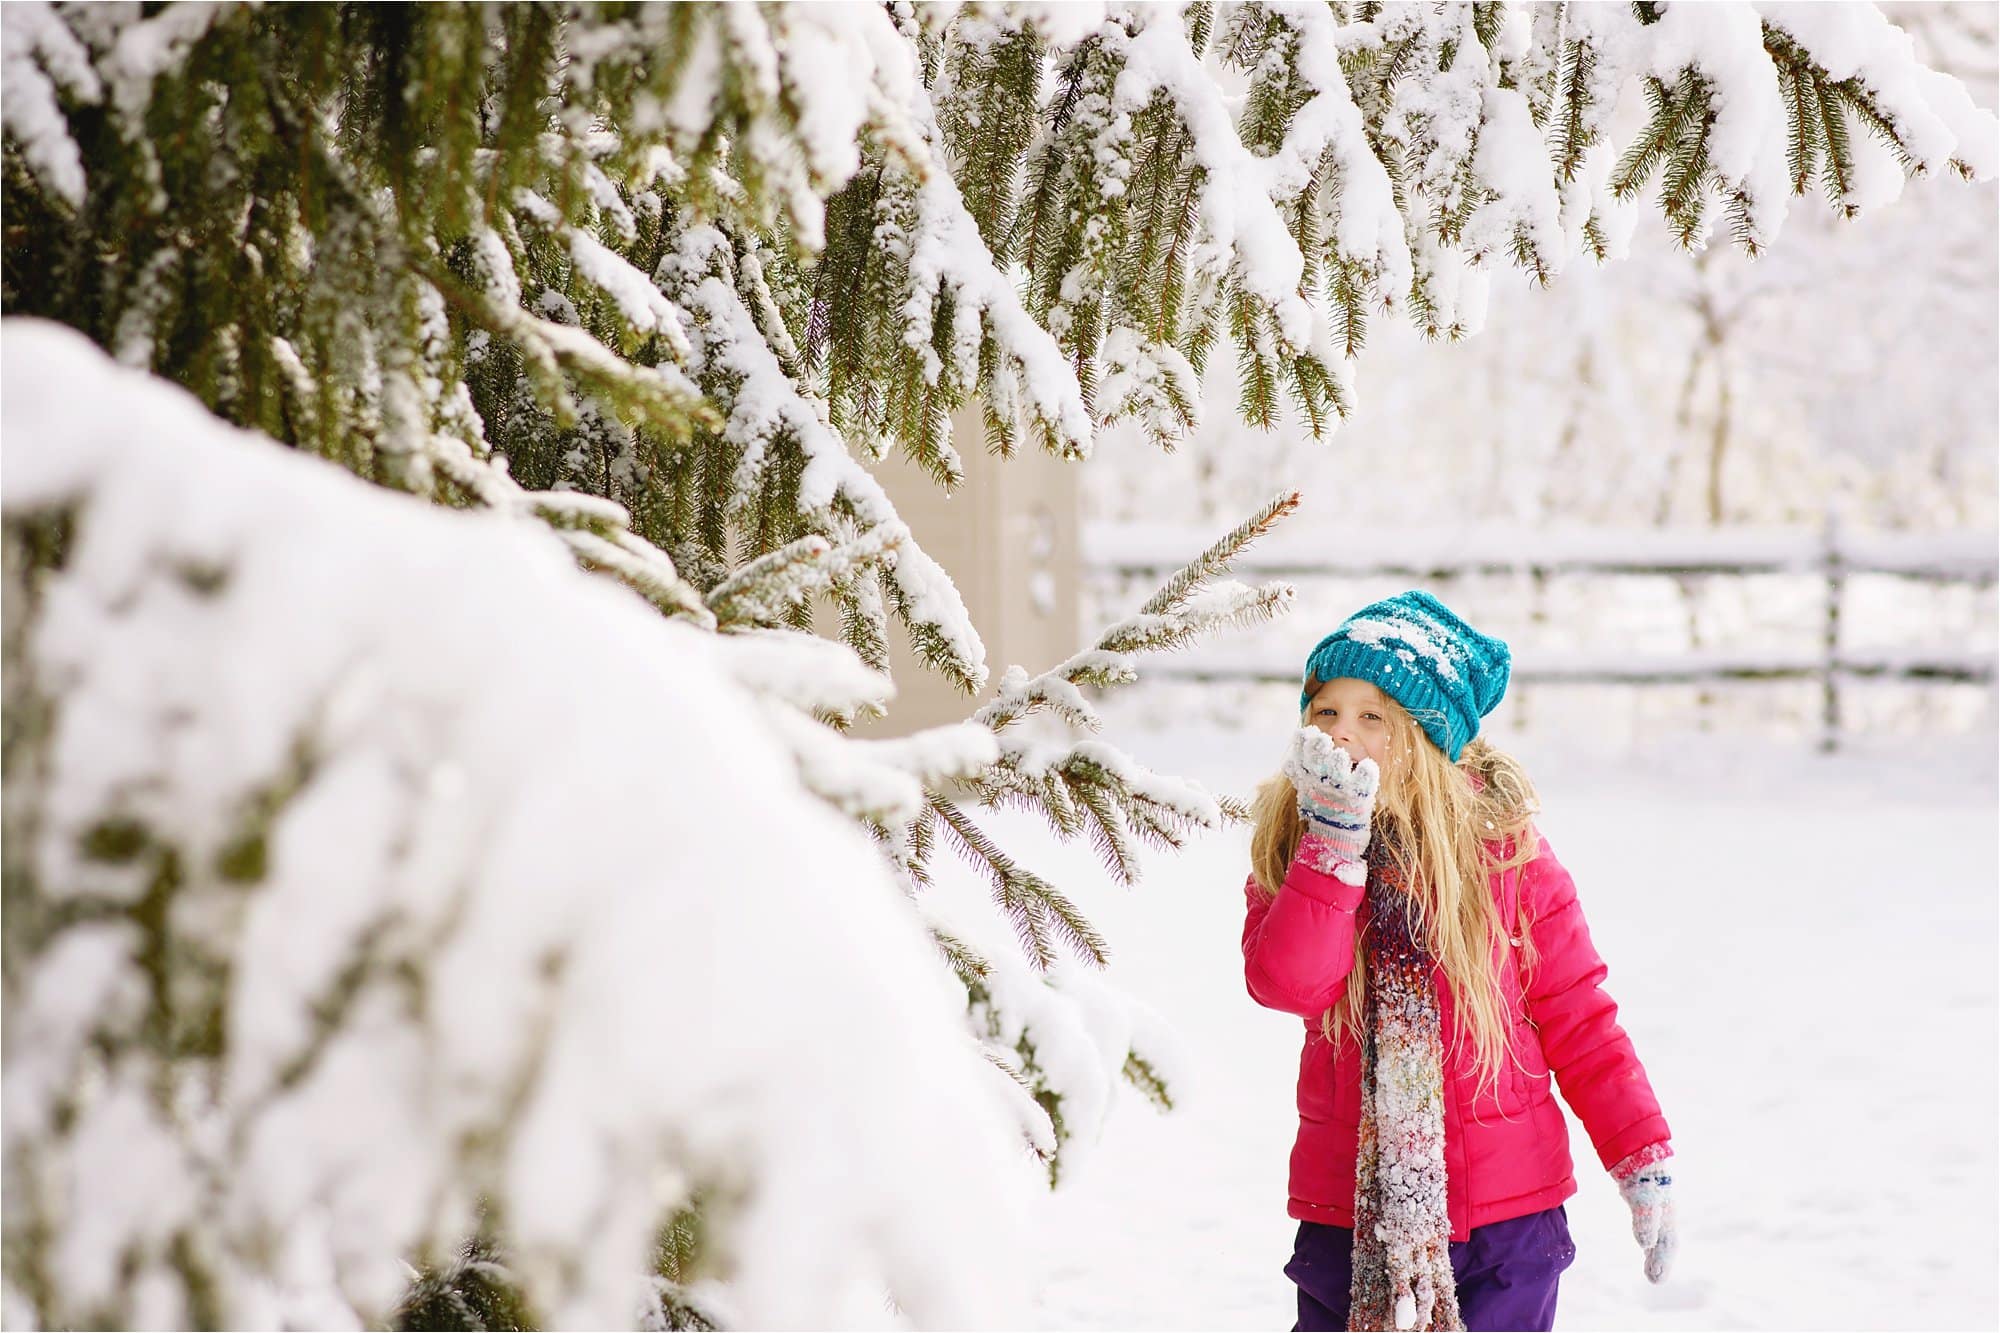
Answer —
1836 578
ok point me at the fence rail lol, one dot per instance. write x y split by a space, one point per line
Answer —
1831 554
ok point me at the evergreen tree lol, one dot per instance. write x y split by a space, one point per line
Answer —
663 278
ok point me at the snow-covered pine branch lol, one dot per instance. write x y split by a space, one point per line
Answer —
1043 754
1189 602
539 251
1083 786
370 870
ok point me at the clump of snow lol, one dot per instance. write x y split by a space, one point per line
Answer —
1410 634
1512 161
1078 1031
538 911
33 40
1148 381
1237 215
1746 141
152 47
1367 226
1930 111
638 299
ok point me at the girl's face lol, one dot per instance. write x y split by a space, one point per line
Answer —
1355 716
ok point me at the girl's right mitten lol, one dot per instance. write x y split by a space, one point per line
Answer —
1336 799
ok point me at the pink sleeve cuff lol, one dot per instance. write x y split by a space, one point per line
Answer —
1330 858
1638 1161
1320 879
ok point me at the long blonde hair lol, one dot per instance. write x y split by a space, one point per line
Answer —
1449 826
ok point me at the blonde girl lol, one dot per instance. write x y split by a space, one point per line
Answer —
1402 902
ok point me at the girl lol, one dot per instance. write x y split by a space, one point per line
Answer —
1402 902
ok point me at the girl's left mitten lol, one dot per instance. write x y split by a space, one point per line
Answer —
1645 1181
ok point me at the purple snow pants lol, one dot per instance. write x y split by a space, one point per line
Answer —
1506 1272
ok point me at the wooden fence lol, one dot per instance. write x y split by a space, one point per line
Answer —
1832 555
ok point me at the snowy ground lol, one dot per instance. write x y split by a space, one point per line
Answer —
1804 950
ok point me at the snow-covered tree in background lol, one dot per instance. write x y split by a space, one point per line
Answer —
661 280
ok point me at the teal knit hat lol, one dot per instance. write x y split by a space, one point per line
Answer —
1412 648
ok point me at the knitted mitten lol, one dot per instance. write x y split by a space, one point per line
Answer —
1336 798
1644 1180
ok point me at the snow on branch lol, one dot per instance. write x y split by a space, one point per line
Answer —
1237 213
1033 386
644 307
1059 1031
804 671
1928 115
769 413
38 55
660 395
766 589
1729 121
1327 137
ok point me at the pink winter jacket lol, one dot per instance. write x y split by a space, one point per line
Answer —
1507 1153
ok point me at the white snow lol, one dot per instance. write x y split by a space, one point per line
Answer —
1141 379
946 252
845 65
28 106
1081 1029
804 670
496 266
1413 634
152 46
1858 42
642 304
1367 226
1513 162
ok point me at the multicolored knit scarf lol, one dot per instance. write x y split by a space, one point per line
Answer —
1402 1231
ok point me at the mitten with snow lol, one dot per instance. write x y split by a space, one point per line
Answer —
1645 1180
1336 798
